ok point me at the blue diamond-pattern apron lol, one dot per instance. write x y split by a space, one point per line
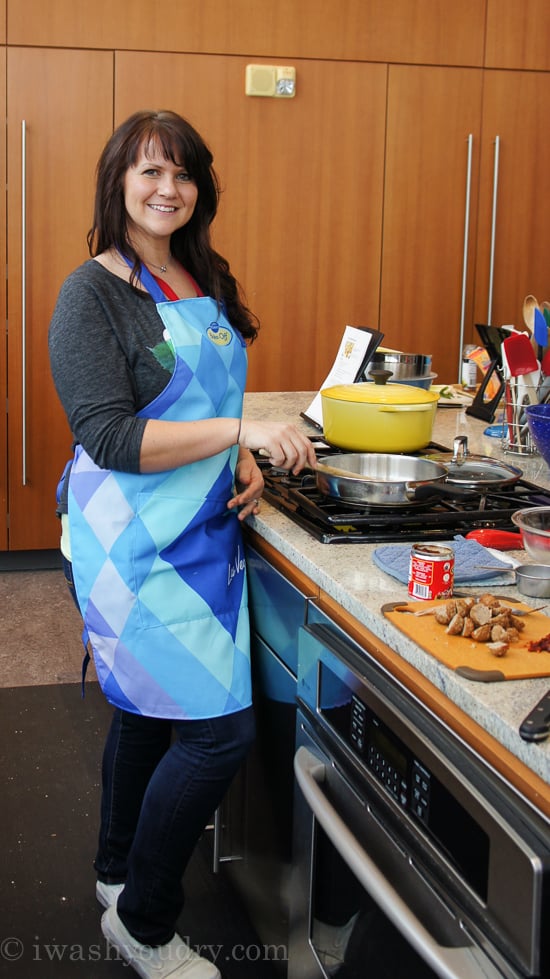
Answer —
158 558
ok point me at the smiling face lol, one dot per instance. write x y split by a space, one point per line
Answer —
159 197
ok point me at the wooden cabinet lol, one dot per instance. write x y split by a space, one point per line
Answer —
431 113
301 211
413 31
516 110
3 349
64 98
436 119
517 34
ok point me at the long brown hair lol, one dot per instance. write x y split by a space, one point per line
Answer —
180 143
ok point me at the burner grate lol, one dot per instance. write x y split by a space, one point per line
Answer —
333 521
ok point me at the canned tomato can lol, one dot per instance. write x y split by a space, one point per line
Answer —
431 571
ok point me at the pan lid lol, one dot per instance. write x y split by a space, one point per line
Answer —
463 467
365 392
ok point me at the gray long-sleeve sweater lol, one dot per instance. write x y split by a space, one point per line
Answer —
108 360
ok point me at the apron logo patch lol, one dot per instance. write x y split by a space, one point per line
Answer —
219 334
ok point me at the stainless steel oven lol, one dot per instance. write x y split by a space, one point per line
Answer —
411 858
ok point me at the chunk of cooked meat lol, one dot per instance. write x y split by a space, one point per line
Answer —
481 614
468 627
456 625
498 648
482 633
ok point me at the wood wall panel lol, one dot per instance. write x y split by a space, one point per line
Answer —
301 210
416 31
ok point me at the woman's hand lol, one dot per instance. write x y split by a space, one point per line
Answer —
280 442
250 485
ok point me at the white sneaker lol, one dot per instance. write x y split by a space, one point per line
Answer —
175 959
331 942
107 894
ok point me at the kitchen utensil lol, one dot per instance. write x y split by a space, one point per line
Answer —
519 354
527 611
509 397
534 524
531 579
536 726
538 421
540 329
545 307
377 417
545 363
378 479
534 580
473 471
402 365
501 540
472 660
529 305
521 361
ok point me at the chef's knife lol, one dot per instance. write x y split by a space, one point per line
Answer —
536 726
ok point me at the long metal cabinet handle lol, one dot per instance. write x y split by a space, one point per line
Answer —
448 962
493 231
465 254
24 300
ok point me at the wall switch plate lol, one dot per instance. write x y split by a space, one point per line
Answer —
274 81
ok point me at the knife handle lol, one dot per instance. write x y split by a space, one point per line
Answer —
536 726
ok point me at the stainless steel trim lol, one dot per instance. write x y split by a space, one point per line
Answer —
493 231
470 142
24 301
217 841
465 962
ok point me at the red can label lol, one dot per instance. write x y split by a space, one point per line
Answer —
431 571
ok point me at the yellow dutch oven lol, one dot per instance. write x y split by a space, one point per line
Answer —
367 417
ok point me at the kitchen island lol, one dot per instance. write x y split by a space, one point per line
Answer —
486 715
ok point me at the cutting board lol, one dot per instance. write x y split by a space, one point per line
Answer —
470 659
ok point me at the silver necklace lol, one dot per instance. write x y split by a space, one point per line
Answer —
161 268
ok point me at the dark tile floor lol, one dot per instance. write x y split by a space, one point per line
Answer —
50 749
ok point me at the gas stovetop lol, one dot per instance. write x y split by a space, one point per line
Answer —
334 521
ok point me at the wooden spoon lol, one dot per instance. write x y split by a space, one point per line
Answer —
529 305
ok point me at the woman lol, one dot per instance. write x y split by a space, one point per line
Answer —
148 354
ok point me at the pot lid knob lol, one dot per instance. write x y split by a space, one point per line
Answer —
380 376
460 445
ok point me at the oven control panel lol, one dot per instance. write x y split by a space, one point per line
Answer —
399 772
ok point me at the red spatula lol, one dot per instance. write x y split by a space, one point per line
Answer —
520 354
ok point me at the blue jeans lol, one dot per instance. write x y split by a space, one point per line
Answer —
162 782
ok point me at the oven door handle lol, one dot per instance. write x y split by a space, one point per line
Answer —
449 963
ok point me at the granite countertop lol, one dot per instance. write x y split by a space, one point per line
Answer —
349 576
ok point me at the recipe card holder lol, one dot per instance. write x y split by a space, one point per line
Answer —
483 407
346 369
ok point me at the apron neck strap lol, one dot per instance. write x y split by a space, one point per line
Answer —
147 280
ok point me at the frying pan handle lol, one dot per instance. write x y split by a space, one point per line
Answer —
429 491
